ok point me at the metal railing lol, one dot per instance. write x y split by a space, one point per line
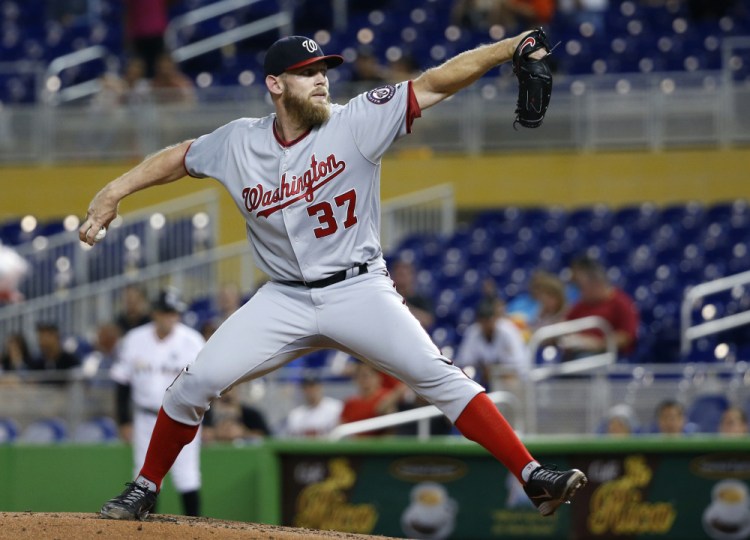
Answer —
431 210
281 20
592 364
588 113
690 333
53 94
420 415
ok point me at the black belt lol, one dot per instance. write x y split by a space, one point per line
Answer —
330 280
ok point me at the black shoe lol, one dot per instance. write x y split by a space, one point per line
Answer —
548 488
133 503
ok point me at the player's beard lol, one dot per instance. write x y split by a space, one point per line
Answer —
304 111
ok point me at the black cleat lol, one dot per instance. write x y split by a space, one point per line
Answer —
548 488
133 503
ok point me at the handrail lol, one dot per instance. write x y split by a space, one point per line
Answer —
391 222
571 327
231 36
587 364
66 61
690 333
420 415
179 54
199 15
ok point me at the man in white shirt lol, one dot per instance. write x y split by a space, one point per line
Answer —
318 415
492 340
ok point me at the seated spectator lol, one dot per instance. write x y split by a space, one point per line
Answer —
52 356
621 420
671 418
733 422
230 420
404 68
549 292
371 400
599 297
491 341
136 309
367 68
16 354
404 277
169 84
318 415
96 364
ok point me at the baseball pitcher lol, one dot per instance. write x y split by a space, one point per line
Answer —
306 179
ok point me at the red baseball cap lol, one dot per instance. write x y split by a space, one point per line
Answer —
294 52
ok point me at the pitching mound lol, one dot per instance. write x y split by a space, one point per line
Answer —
69 526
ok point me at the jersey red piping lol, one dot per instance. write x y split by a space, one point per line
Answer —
284 143
184 158
412 108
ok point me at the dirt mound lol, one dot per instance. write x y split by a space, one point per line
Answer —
69 526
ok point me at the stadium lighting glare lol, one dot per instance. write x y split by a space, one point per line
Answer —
28 224
201 220
40 243
157 221
53 84
62 264
132 242
71 223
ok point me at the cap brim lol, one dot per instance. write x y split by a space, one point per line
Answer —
331 60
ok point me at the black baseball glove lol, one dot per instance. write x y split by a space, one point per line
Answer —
534 80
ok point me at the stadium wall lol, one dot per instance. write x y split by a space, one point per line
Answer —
524 179
646 486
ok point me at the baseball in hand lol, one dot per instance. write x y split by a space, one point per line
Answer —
100 235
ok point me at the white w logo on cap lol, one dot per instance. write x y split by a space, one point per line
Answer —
310 45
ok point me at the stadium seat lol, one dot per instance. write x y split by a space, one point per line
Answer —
705 411
44 431
8 430
97 430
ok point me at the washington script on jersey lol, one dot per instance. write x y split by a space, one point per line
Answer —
301 187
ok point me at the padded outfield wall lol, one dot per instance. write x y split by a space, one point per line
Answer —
642 487
524 179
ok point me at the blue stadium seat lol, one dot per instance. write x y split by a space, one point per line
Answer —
8 430
96 431
44 431
705 411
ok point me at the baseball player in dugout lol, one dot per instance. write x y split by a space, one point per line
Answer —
151 356
307 181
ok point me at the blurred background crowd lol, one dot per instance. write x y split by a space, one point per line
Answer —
485 287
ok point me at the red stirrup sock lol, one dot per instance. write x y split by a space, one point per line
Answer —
482 423
167 440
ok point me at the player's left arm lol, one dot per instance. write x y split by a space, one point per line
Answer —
441 82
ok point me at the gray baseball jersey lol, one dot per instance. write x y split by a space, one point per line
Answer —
312 206
312 209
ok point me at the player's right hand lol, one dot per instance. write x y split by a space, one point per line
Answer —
100 214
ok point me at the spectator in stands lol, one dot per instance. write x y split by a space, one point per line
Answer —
230 420
367 67
493 340
318 415
404 68
621 420
579 12
733 422
518 14
169 84
371 400
52 355
96 364
145 23
136 309
549 292
16 354
599 297
228 300
404 277
671 418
